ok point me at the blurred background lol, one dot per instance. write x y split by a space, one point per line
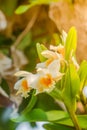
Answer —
20 29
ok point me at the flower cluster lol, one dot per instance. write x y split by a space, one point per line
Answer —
47 73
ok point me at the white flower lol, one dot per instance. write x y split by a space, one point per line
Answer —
22 87
59 49
56 53
48 76
44 80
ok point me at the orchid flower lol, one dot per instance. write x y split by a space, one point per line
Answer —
49 76
23 85
44 80
59 49
56 53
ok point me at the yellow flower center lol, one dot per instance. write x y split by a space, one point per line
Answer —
25 85
46 81
61 51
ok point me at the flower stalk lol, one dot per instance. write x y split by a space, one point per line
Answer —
73 118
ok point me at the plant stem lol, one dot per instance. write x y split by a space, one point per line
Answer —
74 119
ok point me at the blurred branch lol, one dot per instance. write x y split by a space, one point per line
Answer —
27 29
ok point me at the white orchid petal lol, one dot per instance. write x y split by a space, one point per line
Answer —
41 65
31 79
48 54
18 84
54 48
22 73
54 67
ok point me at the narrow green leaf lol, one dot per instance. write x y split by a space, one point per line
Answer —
71 43
53 126
22 9
83 74
40 48
31 103
72 86
39 2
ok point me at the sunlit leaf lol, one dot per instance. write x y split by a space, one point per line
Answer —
71 43
22 9
83 73
56 115
43 1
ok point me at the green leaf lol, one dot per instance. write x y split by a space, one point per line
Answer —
40 49
22 8
40 115
46 102
82 119
83 74
56 93
58 117
55 115
62 117
52 126
71 43
31 103
72 86
57 39
32 116
39 2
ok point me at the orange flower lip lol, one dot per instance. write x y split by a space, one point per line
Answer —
46 81
25 85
